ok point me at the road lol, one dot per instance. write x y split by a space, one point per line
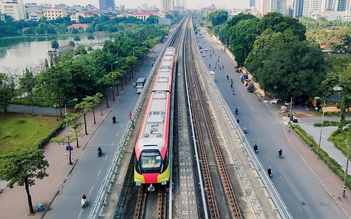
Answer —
298 186
89 172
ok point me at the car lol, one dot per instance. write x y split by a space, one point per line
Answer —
275 101
206 49
203 55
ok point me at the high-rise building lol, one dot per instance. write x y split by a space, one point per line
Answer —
252 3
167 5
182 3
342 5
328 5
13 8
106 4
298 8
277 6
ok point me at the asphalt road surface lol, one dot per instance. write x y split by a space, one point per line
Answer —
90 171
304 196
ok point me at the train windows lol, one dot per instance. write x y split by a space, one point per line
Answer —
150 161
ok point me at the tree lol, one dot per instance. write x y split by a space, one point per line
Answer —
54 44
85 106
77 39
91 38
74 123
22 168
71 44
27 83
7 90
66 140
75 31
293 69
153 19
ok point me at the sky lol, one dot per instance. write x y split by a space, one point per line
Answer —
134 3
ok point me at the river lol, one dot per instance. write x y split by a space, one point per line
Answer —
16 54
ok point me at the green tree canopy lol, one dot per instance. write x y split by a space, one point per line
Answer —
22 168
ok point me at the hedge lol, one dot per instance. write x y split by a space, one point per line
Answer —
332 164
41 144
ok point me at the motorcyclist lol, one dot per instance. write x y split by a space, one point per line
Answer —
236 110
99 151
114 119
280 152
227 77
245 131
231 85
233 92
269 171
255 147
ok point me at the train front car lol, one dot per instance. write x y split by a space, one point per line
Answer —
151 150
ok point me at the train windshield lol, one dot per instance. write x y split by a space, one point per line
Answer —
150 161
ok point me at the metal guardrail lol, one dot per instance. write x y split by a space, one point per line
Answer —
272 191
103 191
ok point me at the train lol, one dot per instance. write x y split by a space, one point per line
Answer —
152 153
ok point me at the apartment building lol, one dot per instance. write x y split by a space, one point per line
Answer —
167 5
13 8
53 13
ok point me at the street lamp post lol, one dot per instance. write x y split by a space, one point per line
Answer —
113 82
245 53
320 134
133 65
55 105
347 166
69 148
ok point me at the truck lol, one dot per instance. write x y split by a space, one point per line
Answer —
139 85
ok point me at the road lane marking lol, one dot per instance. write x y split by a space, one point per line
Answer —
259 141
99 172
91 189
258 117
268 157
281 178
298 206
244 117
250 127
80 213
106 157
112 144
117 134
121 124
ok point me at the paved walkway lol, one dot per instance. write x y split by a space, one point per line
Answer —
13 202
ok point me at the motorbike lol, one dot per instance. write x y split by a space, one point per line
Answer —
236 111
83 202
280 153
256 149
113 120
99 152
269 171
245 131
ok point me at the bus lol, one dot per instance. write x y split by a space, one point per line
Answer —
139 85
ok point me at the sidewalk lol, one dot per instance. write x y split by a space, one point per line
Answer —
13 202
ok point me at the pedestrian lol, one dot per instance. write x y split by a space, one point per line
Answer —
134 84
289 126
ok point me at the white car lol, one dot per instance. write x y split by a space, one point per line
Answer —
203 55
206 49
275 101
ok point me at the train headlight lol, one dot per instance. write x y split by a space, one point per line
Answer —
138 183
164 182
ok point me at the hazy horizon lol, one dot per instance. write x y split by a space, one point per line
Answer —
190 4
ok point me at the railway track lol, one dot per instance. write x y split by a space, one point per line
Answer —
212 163
143 210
